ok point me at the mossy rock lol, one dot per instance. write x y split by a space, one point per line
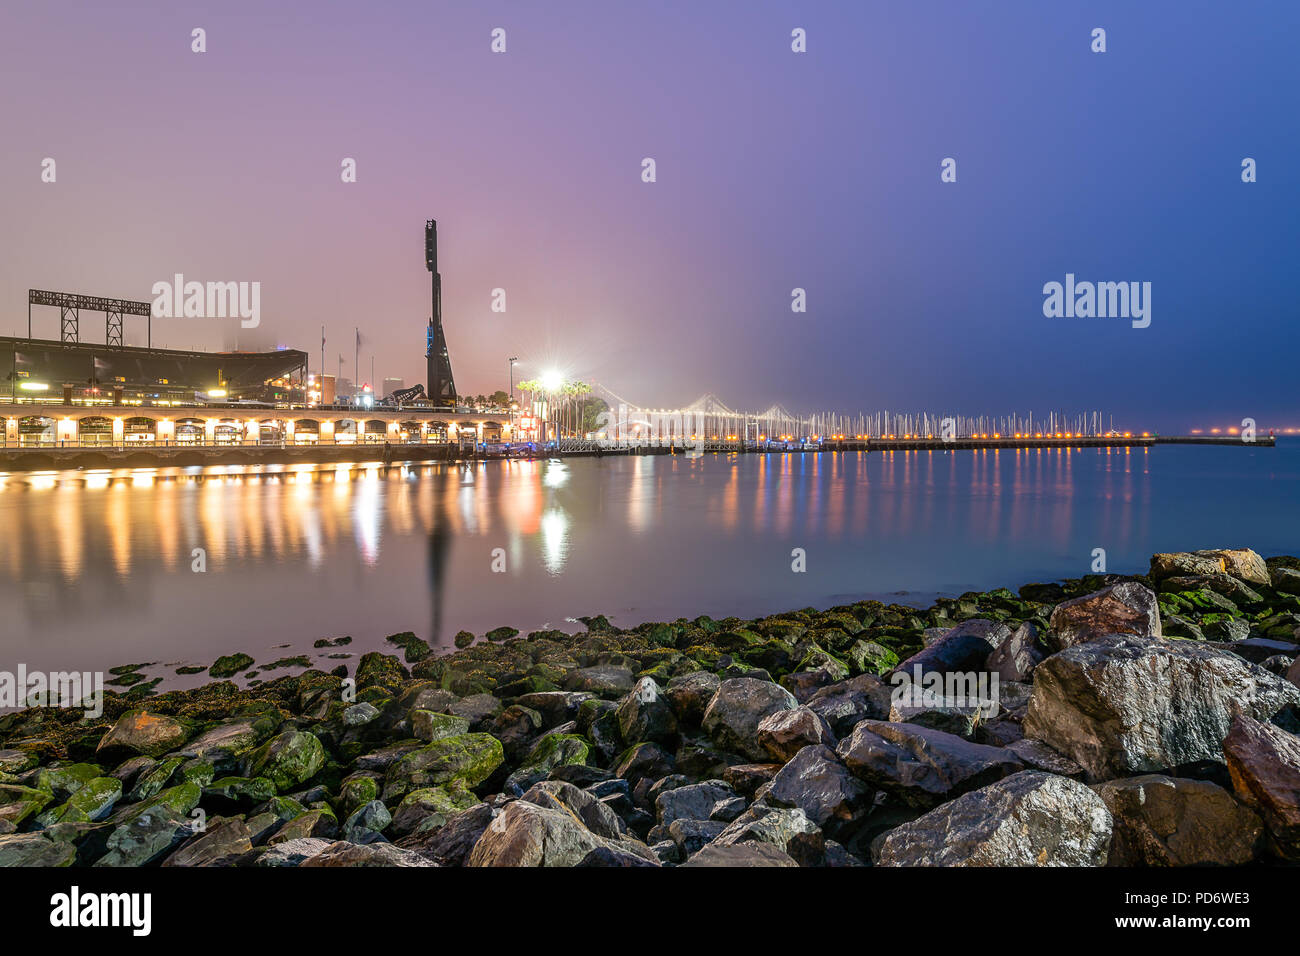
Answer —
89 804
287 760
17 802
381 669
230 665
468 758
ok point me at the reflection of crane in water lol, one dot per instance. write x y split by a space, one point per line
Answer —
439 546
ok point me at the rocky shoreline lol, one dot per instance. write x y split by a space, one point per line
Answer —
1124 720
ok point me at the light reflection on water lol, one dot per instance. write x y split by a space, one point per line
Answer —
95 566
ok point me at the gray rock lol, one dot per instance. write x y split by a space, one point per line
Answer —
693 802
222 843
35 849
741 855
766 824
1123 608
524 834
1028 819
343 853
689 695
842 705
817 782
146 837
358 715
739 706
920 766
603 680
964 648
646 714
291 852
372 817
1016 657
1264 762
1123 705
691 836
1038 756
1172 821
785 732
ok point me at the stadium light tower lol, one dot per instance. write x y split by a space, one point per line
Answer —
441 385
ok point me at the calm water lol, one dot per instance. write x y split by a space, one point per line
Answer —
95 567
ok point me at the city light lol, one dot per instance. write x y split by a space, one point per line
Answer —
552 381
34 386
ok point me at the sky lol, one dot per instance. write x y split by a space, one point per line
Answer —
775 170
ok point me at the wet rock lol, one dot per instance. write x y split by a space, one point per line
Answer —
693 802
234 736
525 834
1123 705
614 856
691 836
92 802
343 853
766 824
1264 762
1124 608
230 665
475 708
731 720
223 843
819 784
644 761
1173 821
920 766
551 751
746 778
429 725
430 808
141 732
555 706
17 802
1038 756
146 837
646 714
287 760
35 849
842 705
1027 819
963 648
689 695
602 680
785 732
741 855
468 758
1016 657
450 845
1241 563
291 852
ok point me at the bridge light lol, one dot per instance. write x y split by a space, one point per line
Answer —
34 386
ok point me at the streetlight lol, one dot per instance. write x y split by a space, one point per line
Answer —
513 360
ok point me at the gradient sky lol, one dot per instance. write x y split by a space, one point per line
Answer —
775 170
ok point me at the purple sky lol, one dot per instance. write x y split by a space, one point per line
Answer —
775 170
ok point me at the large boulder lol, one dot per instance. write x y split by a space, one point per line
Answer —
817 782
963 648
1241 563
689 694
647 714
467 758
287 760
142 732
525 834
1174 821
763 823
739 706
1124 608
921 766
845 703
1123 705
693 802
785 732
1027 819
1264 762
